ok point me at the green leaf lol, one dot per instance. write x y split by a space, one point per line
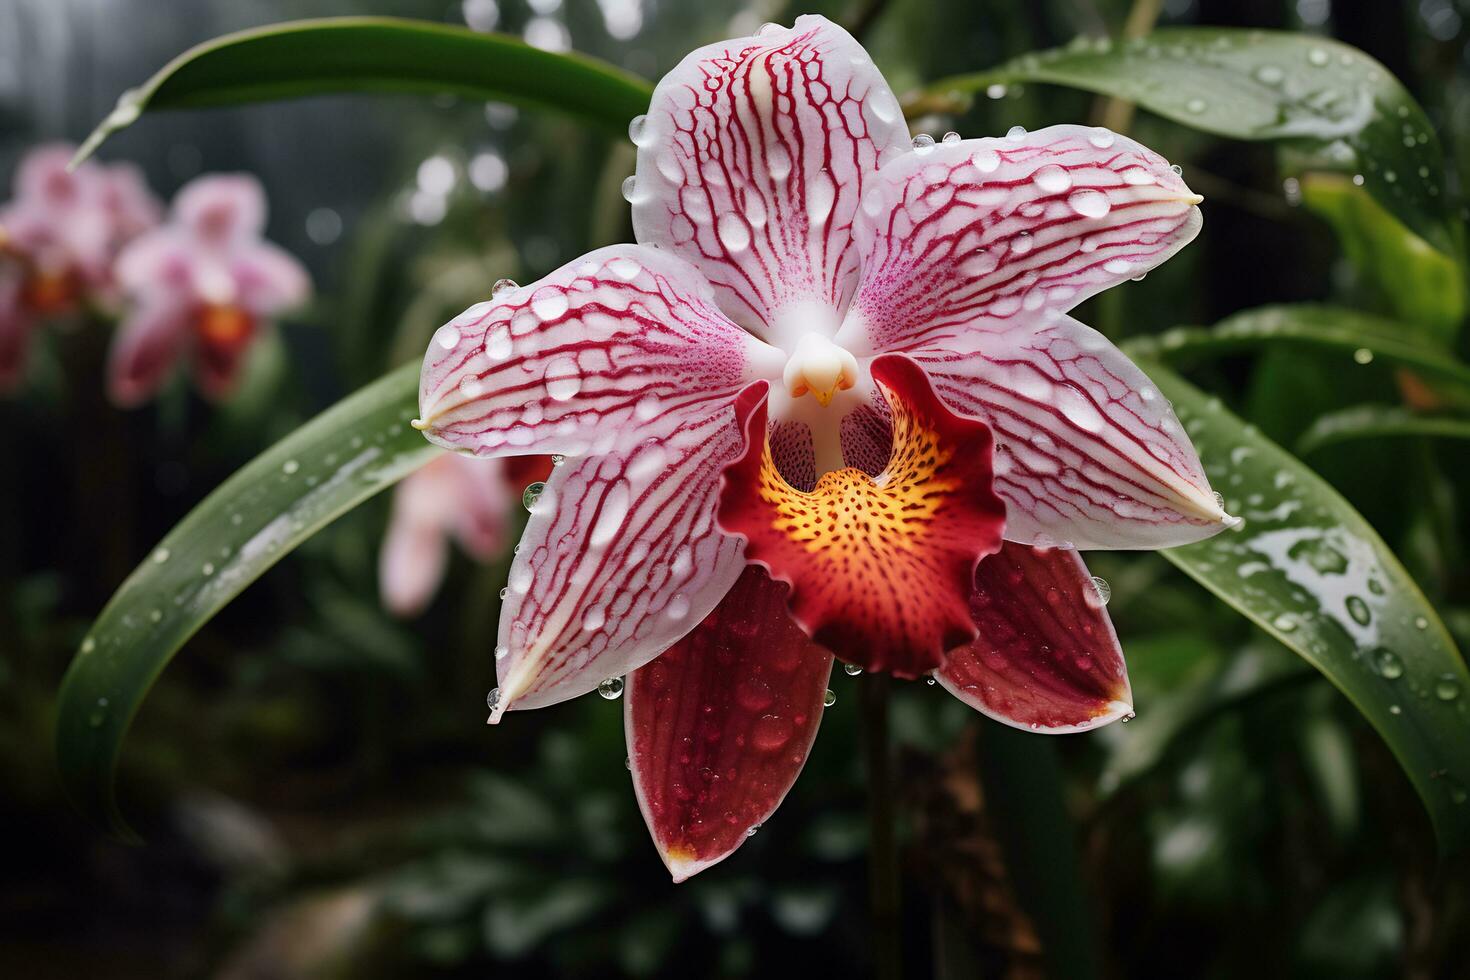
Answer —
1375 421
282 497
1359 338
1417 284
1318 95
381 54
1309 570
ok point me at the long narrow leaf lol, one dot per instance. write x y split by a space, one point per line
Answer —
381 54
1376 421
1309 570
1315 94
1358 338
281 498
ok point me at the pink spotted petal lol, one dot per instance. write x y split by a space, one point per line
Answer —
412 562
219 210
145 349
157 264
16 327
621 557
720 725
268 279
602 355
42 176
1047 658
961 241
751 164
1088 452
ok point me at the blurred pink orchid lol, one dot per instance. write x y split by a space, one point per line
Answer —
718 535
59 237
203 285
454 497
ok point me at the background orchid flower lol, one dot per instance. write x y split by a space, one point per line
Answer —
455 497
203 285
835 376
59 236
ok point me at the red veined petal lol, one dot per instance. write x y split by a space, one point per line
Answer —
621 557
751 164
1047 658
962 241
720 725
601 355
881 568
1088 452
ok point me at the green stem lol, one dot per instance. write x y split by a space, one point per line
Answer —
883 885
1022 782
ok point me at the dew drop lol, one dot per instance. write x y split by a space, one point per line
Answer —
829 699
493 698
995 90
1390 665
594 619
447 336
1195 106
821 194
1102 138
562 378
678 607
1285 622
768 28
1363 355
733 232
1022 243
930 680
611 689
1447 688
630 188
1100 593
1358 609
1052 179
1420 623
637 129
1090 203
549 303
1318 57
851 670
161 555
986 160
88 645
923 142
1269 75
951 137
1016 133
532 494
502 652
503 286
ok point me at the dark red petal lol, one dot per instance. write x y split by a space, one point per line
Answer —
720 725
881 568
1047 658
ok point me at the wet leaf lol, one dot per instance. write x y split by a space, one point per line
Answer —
1376 421
1309 570
1322 97
253 520
381 54
1357 338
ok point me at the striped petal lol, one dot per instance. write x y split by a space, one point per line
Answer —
621 557
598 357
963 241
1088 453
881 568
751 164
1047 658
720 726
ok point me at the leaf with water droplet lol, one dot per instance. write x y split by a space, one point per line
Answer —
1359 618
1337 108
255 518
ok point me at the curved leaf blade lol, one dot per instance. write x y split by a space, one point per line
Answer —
1314 93
1309 570
254 519
1360 338
381 54
1378 421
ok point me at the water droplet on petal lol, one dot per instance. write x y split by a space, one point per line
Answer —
532 494
630 188
1016 133
447 336
1090 203
733 231
1100 593
923 143
678 607
611 689
562 378
493 698
1052 179
951 137
829 699
1101 138
851 670
986 160
637 129
503 286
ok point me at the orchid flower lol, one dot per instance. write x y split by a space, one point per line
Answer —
204 284
59 236
830 404
454 497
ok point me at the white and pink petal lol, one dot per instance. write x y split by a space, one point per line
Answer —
752 161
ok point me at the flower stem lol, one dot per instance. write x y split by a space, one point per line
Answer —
883 884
